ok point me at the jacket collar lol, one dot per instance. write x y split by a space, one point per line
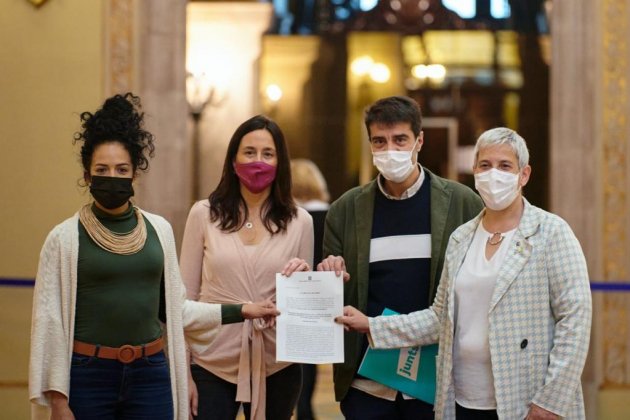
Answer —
521 248
528 225
410 192
441 194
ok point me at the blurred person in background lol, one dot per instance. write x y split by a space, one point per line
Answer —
311 193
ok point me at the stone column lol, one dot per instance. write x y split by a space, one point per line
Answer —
590 181
119 46
145 54
574 168
161 79
613 84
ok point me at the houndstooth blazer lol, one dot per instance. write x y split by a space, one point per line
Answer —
539 320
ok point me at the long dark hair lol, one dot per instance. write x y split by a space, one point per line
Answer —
226 201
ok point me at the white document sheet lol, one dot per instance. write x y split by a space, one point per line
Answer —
306 332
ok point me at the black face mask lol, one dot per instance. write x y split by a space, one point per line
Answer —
111 192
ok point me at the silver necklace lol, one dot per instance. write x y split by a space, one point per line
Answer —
249 224
495 239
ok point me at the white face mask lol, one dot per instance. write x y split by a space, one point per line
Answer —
498 189
395 165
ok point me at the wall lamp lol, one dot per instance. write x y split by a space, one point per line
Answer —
435 73
201 93
366 66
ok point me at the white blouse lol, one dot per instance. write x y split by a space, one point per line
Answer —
474 285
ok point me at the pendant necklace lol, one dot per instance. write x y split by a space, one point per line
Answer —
495 239
249 233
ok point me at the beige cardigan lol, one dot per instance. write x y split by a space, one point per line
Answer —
54 303
217 267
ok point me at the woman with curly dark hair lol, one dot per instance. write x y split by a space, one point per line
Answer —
108 289
235 242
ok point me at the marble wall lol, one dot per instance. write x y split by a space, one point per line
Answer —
590 179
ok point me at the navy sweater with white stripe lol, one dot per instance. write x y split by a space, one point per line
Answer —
400 253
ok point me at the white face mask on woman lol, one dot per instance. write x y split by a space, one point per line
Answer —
498 189
395 165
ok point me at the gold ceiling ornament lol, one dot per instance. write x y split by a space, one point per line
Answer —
37 3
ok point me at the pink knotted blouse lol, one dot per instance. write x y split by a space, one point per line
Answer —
217 267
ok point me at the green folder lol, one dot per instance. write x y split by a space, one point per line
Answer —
410 370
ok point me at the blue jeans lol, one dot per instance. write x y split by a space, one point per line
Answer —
108 389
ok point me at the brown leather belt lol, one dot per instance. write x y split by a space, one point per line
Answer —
124 354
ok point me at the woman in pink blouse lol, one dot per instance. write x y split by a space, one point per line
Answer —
235 242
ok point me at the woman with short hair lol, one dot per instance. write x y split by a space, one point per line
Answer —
513 309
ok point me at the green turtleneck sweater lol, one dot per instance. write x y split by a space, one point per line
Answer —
118 296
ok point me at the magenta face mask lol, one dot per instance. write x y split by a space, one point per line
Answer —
255 176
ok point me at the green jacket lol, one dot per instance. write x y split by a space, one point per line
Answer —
348 233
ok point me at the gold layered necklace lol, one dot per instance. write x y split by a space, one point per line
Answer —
119 243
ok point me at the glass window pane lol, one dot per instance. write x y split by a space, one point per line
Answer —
500 9
367 5
464 8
